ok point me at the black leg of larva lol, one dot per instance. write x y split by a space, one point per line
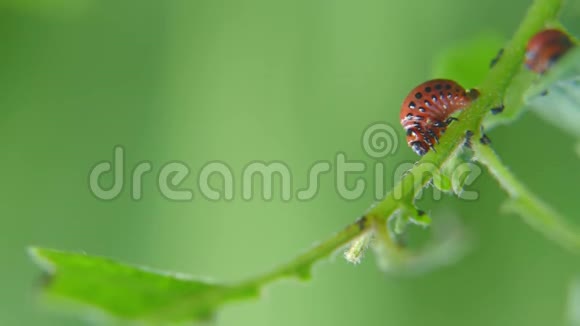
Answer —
484 139
439 124
426 135
495 60
450 119
498 110
468 136
431 146
433 135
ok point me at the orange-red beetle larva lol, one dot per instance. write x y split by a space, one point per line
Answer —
426 111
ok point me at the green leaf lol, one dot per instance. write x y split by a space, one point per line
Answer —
449 244
132 292
421 219
409 215
442 182
457 172
468 61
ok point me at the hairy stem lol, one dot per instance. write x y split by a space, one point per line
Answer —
300 266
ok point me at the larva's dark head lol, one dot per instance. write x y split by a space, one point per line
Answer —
472 94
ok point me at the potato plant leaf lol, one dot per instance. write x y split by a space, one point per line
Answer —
131 292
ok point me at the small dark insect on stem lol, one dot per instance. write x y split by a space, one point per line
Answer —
495 60
484 139
362 222
497 110
468 136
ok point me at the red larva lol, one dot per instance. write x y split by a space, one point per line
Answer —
545 48
426 111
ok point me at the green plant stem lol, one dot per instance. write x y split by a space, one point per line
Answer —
300 266
492 92
532 209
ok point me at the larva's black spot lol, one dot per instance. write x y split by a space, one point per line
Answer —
427 103
409 132
438 87
428 89
409 115
421 109
447 86
434 98
449 95
412 105
419 118
418 95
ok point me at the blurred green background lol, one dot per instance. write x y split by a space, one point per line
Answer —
239 81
